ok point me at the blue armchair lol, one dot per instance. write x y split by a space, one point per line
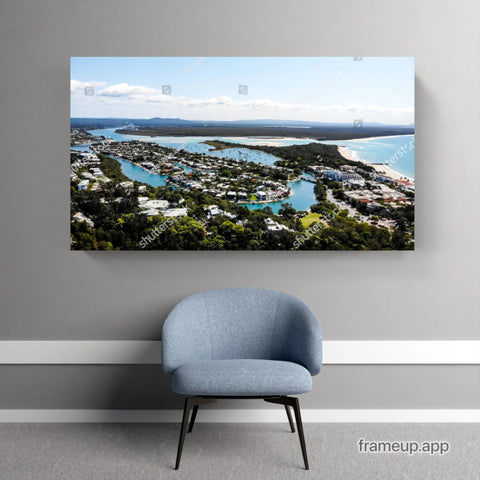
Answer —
241 343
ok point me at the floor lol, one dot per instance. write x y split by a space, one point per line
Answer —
232 451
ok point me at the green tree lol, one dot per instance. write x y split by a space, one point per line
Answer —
287 211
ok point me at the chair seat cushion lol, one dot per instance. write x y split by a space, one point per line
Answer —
241 378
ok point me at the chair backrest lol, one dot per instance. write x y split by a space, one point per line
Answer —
235 323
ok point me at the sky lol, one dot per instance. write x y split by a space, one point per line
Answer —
323 89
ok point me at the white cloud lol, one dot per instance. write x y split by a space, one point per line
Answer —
124 100
78 88
126 90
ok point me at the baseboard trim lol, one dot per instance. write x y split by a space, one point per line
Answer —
240 416
336 352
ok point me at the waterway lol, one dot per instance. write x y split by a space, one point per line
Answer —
397 151
302 192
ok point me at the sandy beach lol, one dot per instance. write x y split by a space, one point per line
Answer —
380 168
348 154
386 170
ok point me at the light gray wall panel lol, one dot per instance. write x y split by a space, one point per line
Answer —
145 387
49 293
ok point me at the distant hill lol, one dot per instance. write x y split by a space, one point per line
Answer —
90 123
152 123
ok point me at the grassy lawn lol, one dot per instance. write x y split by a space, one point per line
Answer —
310 218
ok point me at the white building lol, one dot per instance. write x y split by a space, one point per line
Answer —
157 204
213 210
97 172
83 185
80 217
341 176
261 195
242 196
150 212
175 212
272 227
126 185
87 158
148 165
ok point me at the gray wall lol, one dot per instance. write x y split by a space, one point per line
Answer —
48 292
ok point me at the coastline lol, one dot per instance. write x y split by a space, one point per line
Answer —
376 138
348 154
379 168
387 170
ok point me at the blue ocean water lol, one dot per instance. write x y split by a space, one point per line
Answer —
397 152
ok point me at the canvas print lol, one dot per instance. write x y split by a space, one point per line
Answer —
242 153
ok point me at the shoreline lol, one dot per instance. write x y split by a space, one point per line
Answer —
374 138
379 168
260 202
259 137
387 170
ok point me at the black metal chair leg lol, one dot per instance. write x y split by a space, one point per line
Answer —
192 420
287 402
290 419
186 412
293 402
298 418
190 402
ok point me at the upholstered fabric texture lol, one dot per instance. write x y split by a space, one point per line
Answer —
241 378
235 324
